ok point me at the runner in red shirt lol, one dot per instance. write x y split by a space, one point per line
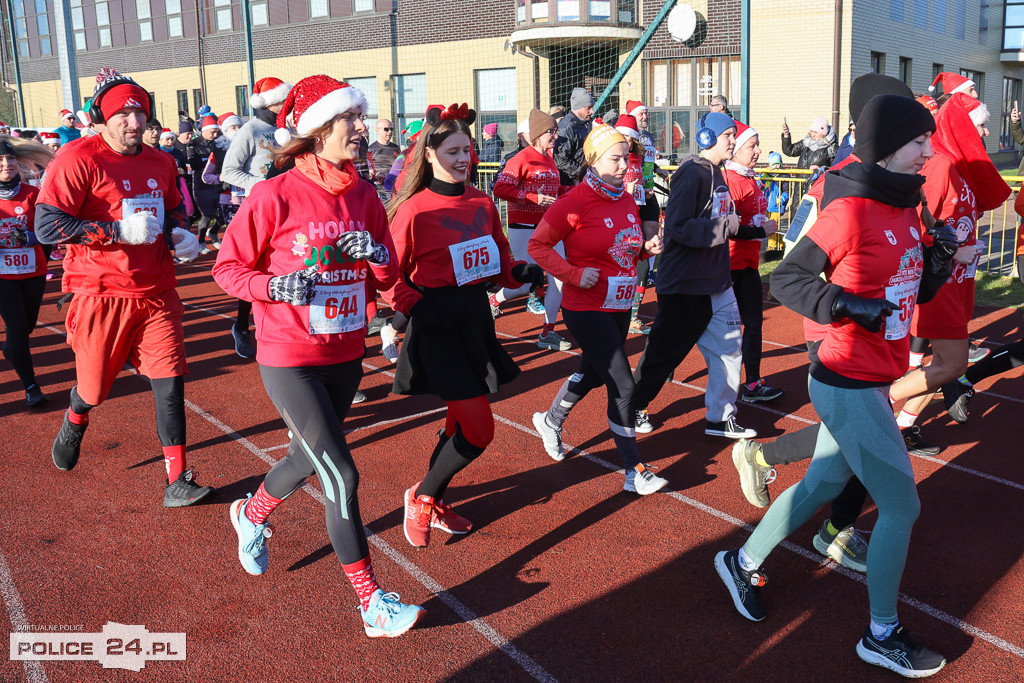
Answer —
22 259
114 202
450 244
599 225
961 184
303 247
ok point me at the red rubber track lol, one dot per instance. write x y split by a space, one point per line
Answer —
565 577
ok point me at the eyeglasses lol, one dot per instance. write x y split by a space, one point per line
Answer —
387 130
553 131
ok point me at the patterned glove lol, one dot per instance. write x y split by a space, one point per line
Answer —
139 228
20 236
359 245
295 288
186 245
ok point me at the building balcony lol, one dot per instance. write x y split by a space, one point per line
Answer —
547 23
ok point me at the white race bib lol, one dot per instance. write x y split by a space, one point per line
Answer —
338 308
904 295
620 293
154 205
475 259
721 204
21 261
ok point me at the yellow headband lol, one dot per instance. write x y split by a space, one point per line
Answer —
600 139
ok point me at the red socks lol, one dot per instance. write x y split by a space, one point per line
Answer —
361 576
260 506
75 418
174 461
548 328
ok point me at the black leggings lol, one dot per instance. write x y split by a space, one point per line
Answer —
999 361
603 360
746 285
313 402
19 308
679 323
206 225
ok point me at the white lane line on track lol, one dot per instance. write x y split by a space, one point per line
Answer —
934 612
482 627
34 672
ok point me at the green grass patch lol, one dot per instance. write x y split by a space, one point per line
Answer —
998 291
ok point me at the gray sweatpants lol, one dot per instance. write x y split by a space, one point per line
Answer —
721 346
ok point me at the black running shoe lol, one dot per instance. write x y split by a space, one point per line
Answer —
956 395
243 341
729 429
184 491
34 396
916 445
900 653
67 445
744 586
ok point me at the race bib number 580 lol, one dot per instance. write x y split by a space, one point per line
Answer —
620 293
17 261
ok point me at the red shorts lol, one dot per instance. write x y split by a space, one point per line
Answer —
106 331
948 314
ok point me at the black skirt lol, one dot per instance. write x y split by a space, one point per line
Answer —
450 349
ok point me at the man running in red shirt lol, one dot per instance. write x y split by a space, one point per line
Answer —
114 202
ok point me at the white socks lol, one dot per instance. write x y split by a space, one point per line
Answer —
745 562
883 631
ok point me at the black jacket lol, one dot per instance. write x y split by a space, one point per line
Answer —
696 256
572 131
490 151
809 157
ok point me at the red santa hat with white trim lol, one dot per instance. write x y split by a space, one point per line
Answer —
743 133
626 124
230 118
634 107
48 136
210 123
268 91
64 113
314 101
952 83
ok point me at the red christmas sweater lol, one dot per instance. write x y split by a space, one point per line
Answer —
875 252
749 201
286 224
526 176
598 232
19 262
441 240
949 198
90 181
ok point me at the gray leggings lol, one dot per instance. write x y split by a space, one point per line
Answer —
878 456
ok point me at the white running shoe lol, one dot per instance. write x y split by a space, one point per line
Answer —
389 343
551 436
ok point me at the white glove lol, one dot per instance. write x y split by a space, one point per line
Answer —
186 245
140 228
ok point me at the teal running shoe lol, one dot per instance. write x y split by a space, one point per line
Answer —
252 539
386 617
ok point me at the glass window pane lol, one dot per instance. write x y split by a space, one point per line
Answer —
145 30
102 15
568 10
1015 15
319 8
172 6
496 90
363 6
600 10
1013 39
259 14
77 18
79 40
735 93
105 37
221 3
40 6
367 86
44 45
539 10
23 48
682 90
42 24
707 80
520 11
142 9
19 8
411 95
21 28
656 126
627 11
659 83
174 27
224 19
680 132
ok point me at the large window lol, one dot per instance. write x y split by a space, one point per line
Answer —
78 24
905 69
319 9
43 28
175 28
242 100
259 13
979 81
21 28
496 103
410 101
878 62
368 86
198 100
103 23
679 92
224 18
1013 26
568 10
182 97
1011 98
145 16
362 6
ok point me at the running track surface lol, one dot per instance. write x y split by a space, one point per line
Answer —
566 577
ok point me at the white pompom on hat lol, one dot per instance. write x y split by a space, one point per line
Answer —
951 83
268 91
314 101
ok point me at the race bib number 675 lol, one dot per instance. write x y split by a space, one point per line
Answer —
475 259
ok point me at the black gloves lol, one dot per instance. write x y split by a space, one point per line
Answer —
946 243
529 273
359 245
295 288
868 313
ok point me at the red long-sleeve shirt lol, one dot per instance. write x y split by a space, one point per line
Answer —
749 201
286 224
526 176
19 262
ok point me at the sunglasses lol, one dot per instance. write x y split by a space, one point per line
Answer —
387 130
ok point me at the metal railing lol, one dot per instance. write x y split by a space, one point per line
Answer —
998 228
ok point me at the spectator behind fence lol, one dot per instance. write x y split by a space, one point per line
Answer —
721 104
572 131
816 150
490 151
384 151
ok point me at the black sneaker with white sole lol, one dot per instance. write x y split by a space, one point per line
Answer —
729 429
900 653
68 445
743 586
184 491
956 395
916 445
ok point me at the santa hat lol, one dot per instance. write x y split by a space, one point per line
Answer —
956 137
268 91
48 136
634 107
210 123
167 133
743 133
314 101
64 113
952 83
229 119
626 124
929 103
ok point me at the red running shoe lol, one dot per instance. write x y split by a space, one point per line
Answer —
418 511
449 521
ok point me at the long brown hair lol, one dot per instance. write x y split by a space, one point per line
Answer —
32 157
301 144
433 134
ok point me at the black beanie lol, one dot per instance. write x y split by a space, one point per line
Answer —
888 122
867 86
